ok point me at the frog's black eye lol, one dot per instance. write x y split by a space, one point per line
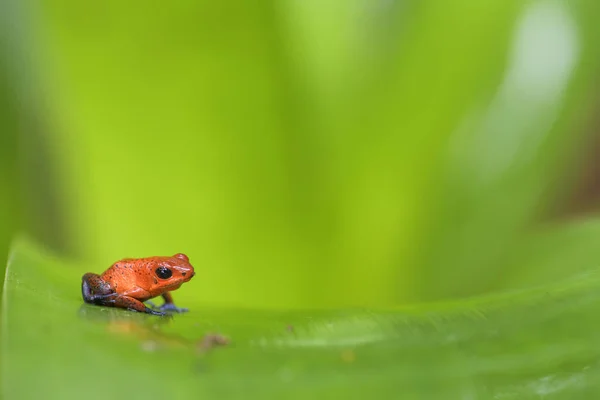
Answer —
163 272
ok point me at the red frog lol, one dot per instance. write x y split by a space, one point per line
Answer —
130 282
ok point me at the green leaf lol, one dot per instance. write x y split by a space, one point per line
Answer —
8 165
535 343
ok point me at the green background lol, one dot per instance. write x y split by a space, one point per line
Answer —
305 155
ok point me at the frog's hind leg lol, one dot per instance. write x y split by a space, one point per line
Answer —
133 305
94 290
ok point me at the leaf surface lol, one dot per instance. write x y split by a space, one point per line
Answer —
535 343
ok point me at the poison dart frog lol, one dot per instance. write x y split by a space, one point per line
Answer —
130 282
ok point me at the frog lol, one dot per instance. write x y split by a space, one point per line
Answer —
131 282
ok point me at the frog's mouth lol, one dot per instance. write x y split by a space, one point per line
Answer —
174 286
177 285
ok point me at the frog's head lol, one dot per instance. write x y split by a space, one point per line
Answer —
169 273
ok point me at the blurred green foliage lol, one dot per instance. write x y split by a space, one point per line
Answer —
314 155
304 154
8 168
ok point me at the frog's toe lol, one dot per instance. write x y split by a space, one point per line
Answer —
172 307
154 312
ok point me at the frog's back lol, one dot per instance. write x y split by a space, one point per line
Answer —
124 275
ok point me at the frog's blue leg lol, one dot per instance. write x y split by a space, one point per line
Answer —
169 305
133 305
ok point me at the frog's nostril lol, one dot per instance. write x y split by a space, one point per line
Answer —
184 273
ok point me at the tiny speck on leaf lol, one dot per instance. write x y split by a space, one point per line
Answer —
348 356
211 341
149 346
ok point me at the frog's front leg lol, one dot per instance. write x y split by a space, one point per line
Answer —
95 290
169 305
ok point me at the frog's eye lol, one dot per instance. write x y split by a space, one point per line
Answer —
163 272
